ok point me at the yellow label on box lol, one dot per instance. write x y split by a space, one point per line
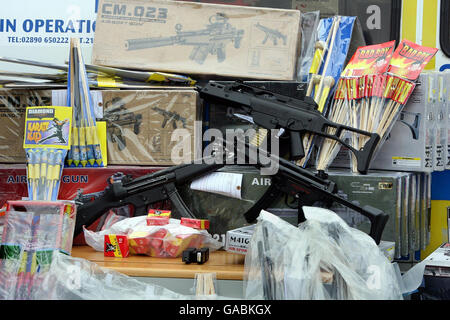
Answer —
48 127
406 161
101 134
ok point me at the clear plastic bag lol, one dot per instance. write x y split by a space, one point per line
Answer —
321 259
33 231
70 278
166 241
310 21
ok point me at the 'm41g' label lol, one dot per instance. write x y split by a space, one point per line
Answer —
123 10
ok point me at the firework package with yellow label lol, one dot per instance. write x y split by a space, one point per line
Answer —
13 104
46 141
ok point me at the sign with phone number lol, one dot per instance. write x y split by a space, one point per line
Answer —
50 22
23 39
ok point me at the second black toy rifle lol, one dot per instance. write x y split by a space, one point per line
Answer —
211 40
295 116
162 185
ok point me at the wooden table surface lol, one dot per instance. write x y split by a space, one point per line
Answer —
226 265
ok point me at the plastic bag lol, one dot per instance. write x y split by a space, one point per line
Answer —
70 278
31 234
310 21
157 241
321 259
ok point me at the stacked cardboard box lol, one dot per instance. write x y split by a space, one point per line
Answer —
140 123
198 38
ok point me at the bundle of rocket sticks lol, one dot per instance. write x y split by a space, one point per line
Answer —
371 93
334 36
85 150
98 77
44 170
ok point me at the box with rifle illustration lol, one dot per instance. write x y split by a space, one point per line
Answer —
13 103
198 38
141 123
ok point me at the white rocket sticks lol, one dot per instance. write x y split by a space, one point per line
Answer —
338 113
388 92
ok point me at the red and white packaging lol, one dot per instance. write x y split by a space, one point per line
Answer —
157 217
201 224
116 246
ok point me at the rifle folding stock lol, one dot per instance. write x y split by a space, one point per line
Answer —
414 126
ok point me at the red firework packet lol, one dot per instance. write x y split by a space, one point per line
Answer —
370 60
410 59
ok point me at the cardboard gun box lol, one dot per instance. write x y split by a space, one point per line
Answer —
13 104
198 38
139 123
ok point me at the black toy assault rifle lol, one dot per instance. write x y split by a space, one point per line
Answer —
295 116
162 185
